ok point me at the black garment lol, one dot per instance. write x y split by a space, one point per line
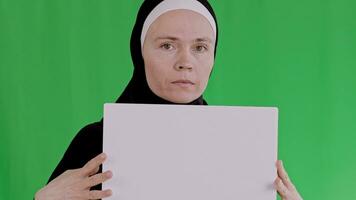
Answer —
88 143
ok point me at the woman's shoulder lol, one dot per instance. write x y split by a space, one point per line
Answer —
86 144
93 131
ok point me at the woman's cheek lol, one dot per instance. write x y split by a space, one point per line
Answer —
205 79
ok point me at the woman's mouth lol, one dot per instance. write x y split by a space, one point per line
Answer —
183 83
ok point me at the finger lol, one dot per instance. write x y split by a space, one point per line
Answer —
283 175
98 194
280 187
92 165
97 179
96 170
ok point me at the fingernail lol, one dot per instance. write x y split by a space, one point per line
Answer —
109 174
103 155
109 192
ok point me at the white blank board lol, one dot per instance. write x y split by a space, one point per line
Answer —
180 152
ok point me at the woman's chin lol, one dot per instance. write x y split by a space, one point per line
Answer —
181 98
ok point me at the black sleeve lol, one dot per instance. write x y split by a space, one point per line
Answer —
87 144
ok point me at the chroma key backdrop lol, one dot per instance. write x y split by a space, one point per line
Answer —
61 60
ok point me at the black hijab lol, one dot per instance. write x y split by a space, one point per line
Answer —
138 91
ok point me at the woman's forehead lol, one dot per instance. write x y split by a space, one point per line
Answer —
182 24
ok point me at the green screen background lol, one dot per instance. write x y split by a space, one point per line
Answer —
61 60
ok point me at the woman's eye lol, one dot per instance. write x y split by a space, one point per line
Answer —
201 48
167 46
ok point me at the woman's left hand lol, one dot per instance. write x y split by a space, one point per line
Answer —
284 185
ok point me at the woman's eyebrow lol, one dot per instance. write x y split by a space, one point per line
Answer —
204 39
167 38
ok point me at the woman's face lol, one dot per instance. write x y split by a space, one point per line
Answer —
178 52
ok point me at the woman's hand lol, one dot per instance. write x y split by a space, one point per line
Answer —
75 184
284 185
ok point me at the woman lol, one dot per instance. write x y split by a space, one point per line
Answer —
173 48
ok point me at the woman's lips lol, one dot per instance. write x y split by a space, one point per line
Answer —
183 83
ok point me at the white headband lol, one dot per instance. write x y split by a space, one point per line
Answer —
169 5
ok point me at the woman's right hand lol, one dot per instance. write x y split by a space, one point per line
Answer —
75 184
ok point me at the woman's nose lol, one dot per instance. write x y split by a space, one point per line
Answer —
184 61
